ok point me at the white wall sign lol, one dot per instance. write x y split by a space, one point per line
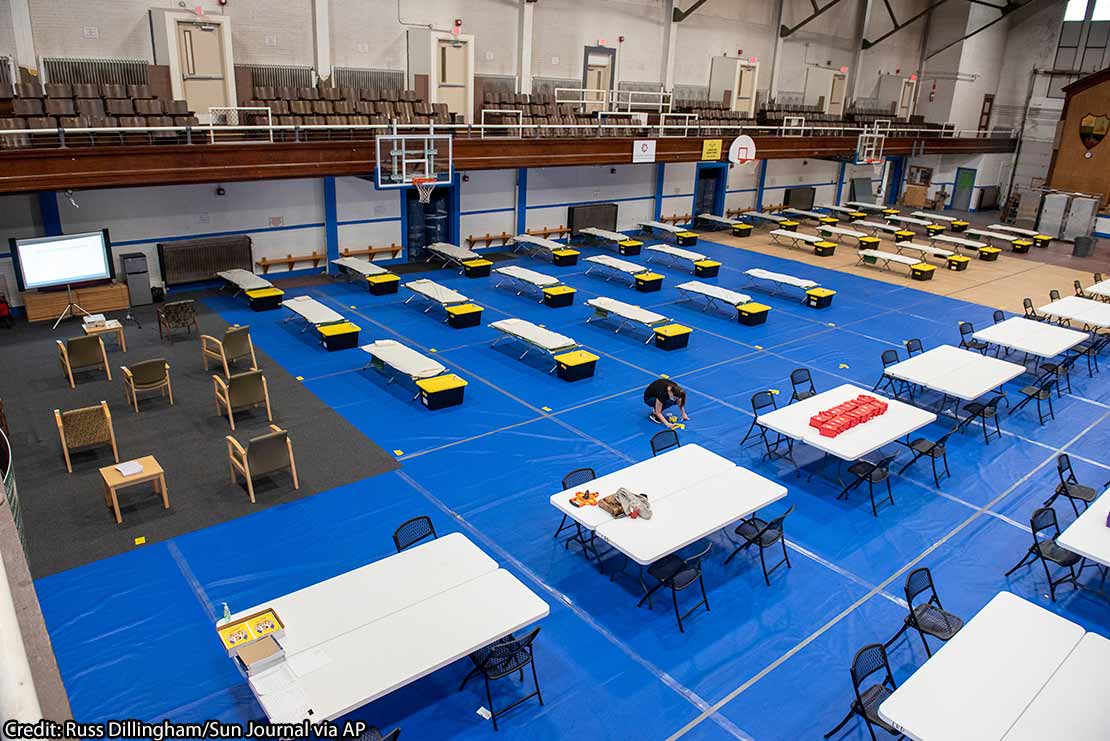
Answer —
643 150
742 150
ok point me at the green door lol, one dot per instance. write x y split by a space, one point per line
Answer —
961 195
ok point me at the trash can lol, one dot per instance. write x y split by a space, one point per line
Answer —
1084 246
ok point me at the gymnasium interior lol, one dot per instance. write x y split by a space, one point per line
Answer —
543 369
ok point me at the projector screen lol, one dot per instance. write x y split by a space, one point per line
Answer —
43 262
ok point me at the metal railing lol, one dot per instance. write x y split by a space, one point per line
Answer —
616 101
287 133
11 495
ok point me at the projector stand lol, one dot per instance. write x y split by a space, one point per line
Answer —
68 311
128 318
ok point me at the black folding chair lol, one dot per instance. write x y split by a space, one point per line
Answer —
983 412
923 447
895 386
576 478
928 617
663 441
500 659
802 383
1091 351
1058 371
1047 551
1054 295
1039 392
869 660
413 531
763 534
999 316
1030 312
1079 289
914 347
763 402
373 734
968 342
872 473
678 574
1069 486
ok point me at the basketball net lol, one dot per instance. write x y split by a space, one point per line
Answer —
424 188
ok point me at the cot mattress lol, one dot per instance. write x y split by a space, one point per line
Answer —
716 292
245 280
404 359
630 312
433 291
789 280
359 265
528 276
311 310
534 334
623 266
678 252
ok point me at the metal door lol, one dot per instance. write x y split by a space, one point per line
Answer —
452 75
200 49
961 192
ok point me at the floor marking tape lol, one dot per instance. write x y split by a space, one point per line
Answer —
582 614
858 603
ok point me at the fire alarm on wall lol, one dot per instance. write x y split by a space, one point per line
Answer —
222 2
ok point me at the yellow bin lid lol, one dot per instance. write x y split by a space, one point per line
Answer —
463 309
558 290
707 264
820 292
264 292
382 278
440 383
477 262
565 253
576 357
330 330
630 243
649 276
672 330
753 307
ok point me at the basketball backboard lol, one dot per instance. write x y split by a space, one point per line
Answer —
402 157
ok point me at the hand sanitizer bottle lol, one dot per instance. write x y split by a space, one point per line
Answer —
227 614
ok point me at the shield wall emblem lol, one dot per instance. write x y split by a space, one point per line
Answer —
1092 129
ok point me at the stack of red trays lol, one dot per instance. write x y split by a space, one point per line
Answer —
843 417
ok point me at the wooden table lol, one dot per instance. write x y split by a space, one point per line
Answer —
110 327
114 480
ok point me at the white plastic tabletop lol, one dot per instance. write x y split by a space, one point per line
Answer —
971 244
398 648
987 234
790 280
534 334
933 216
860 205
1100 289
978 683
404 359
631 312
1014 229
1073 704
899 420
839 209
1084 310
1088 535
878 226
795 236
690 514
1036 338
841 231
765 216
452 250
656 477
909 220
719 219
951 370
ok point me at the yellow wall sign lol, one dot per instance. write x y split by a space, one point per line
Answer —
711 149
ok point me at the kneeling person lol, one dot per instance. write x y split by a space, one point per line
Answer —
661 394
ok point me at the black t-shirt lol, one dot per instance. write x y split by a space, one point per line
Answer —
657 389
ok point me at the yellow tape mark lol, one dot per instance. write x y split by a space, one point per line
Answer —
842 365
546 409
663 375
432 349
300 378
774 391
830 324
140 540
758 347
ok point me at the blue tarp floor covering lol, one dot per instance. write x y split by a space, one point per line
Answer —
134 633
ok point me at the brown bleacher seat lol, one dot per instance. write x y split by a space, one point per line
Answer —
378 119
13 140
370 94
277 107
349 94
312 121
343 108
330 93
27 107
300 107
41 122
185 121
391 95
403 108
113 92
92 107
422 109
335 120
176 107
264 93
139 92
28 90
59 90
308 93
288 121
59 107
6 92
321 107
287 93
359 120
410 96
160 121
131 121
73 122
85 90
148 107
117 107
364 108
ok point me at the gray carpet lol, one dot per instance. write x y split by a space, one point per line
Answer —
66 521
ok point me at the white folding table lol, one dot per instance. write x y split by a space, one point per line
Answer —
898 422
363 634
979 683
1084 310
1007 228
836 232
958 242
1072 705
1041 339
1088 535
1100 289
934 217
861 206
955 372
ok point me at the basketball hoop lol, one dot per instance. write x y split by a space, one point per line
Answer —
424 188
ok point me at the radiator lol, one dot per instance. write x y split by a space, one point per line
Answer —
192 260
278 75
6 70
92 71
381 79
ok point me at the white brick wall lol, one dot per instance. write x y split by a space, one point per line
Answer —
122 29
7 38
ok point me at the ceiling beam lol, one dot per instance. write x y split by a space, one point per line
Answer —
785 31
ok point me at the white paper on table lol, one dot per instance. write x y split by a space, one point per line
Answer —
94 319
129 468
273 680
307 661
288 706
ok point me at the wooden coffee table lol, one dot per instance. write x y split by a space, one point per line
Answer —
113 481
112 326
